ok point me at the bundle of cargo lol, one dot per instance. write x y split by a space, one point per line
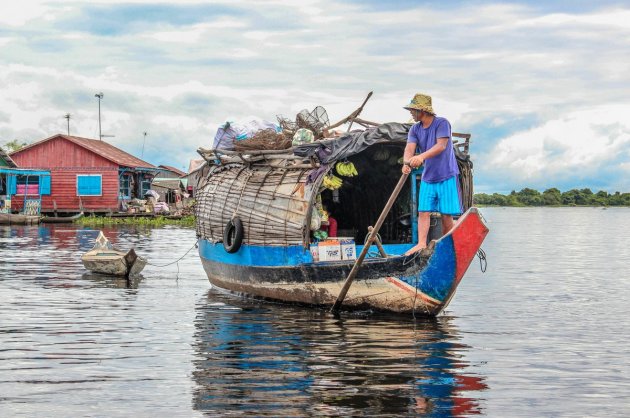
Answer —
266 139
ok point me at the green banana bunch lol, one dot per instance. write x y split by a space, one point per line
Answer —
332 182
346 169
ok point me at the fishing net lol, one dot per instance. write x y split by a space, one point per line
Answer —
316 121
266 139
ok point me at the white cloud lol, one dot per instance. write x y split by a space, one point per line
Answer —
5 40
194 33
494 62
177 122
614 18
21 13
580 144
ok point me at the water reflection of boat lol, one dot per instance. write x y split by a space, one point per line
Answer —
105 259
18 219
266 359
105 280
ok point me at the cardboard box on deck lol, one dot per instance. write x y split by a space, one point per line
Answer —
329 250
348 248
314 248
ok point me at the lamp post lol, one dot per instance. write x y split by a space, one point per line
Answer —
67 117
143 141
99 96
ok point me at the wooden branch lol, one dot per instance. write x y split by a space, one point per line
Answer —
366 122
288 151
352 115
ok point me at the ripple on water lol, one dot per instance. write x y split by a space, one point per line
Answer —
542 333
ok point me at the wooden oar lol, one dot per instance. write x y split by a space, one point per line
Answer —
366 247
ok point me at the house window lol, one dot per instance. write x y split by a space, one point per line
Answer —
89 185
145 185
27 185
124 189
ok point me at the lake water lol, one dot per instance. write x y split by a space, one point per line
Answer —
542 333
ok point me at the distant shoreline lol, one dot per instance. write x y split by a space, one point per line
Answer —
554 198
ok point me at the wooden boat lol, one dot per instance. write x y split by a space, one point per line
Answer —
105 259
255 211
61 219
17 219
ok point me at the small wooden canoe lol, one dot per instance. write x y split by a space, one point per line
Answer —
16 219
105 259
61 219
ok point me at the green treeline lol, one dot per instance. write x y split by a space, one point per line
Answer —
554 197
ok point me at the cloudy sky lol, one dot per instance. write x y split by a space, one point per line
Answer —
543 87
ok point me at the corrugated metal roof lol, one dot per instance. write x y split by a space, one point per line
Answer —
173 169
102 148
6 158
195 164
172 184
110 152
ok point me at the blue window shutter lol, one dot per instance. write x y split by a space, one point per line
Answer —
89 185
44 187
96 185
12 185
82 185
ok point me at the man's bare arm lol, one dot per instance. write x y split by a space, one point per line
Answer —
435 150
410 149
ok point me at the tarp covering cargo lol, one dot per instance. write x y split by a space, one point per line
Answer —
354 142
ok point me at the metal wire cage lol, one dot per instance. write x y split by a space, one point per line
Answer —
316 120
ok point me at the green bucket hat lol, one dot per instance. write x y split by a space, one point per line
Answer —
421 102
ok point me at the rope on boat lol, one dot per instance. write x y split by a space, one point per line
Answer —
248 175
466 183
483 261
179 259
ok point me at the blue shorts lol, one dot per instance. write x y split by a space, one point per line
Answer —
442 197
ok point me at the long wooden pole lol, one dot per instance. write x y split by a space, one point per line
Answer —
358 111
377 227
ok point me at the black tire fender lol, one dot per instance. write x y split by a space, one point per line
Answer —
233 235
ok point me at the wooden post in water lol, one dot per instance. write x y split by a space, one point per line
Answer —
366 247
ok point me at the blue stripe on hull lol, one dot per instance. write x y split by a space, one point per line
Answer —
437 278
255 255
267 256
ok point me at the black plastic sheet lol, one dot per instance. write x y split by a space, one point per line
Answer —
353 142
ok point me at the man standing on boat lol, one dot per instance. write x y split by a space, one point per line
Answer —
429 143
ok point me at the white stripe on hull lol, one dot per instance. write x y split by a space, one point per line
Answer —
383 294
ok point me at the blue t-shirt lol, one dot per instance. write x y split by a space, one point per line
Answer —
443 166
